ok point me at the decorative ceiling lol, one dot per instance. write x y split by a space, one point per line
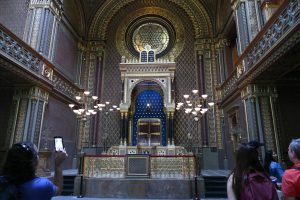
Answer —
86 15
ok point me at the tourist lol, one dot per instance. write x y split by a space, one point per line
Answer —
273 168
18 180
291 177
254 144
248 180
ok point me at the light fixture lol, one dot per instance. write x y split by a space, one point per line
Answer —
195 104
88 105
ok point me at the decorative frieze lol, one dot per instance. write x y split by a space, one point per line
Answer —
54 5
63 86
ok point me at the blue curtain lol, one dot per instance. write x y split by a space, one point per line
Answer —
156 110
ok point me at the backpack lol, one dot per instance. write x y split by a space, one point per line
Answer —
258 186
8 191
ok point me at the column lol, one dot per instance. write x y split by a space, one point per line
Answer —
268 8
26 118
220 60
248 21
42 24
261 115
91 69
172 128
206 81
251 121
168 133
122 132
125 128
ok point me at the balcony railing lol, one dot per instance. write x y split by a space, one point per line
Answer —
40 70
284 21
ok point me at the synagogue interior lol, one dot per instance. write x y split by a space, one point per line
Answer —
150 96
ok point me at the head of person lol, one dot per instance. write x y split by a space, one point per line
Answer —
294 150
268 159
21 162
247 161
254 144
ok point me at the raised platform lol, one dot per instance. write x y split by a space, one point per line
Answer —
139 188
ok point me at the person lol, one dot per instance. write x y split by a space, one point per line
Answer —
291 177
19 177
254 144
273 168
241 183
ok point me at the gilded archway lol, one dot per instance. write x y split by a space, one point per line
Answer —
193 8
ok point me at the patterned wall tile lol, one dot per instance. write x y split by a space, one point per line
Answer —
13 14
185 75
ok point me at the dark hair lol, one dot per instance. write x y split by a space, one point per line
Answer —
268 159
246 162
21 162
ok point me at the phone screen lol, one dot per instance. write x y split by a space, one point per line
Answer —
58 142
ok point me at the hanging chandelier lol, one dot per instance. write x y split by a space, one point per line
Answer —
195 104
88 105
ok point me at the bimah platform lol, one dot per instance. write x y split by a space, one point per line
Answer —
116 175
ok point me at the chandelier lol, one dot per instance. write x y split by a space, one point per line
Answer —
195 104
88 105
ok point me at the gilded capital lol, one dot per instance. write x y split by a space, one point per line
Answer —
96 47
56 6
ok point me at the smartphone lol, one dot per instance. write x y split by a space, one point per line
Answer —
58 143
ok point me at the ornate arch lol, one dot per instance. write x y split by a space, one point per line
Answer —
131 88
194 9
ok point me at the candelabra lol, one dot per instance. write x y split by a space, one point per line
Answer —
88 106
196 105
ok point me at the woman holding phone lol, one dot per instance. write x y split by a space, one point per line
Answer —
18 179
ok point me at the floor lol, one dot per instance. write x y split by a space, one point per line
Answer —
203 172
73 198
209 172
